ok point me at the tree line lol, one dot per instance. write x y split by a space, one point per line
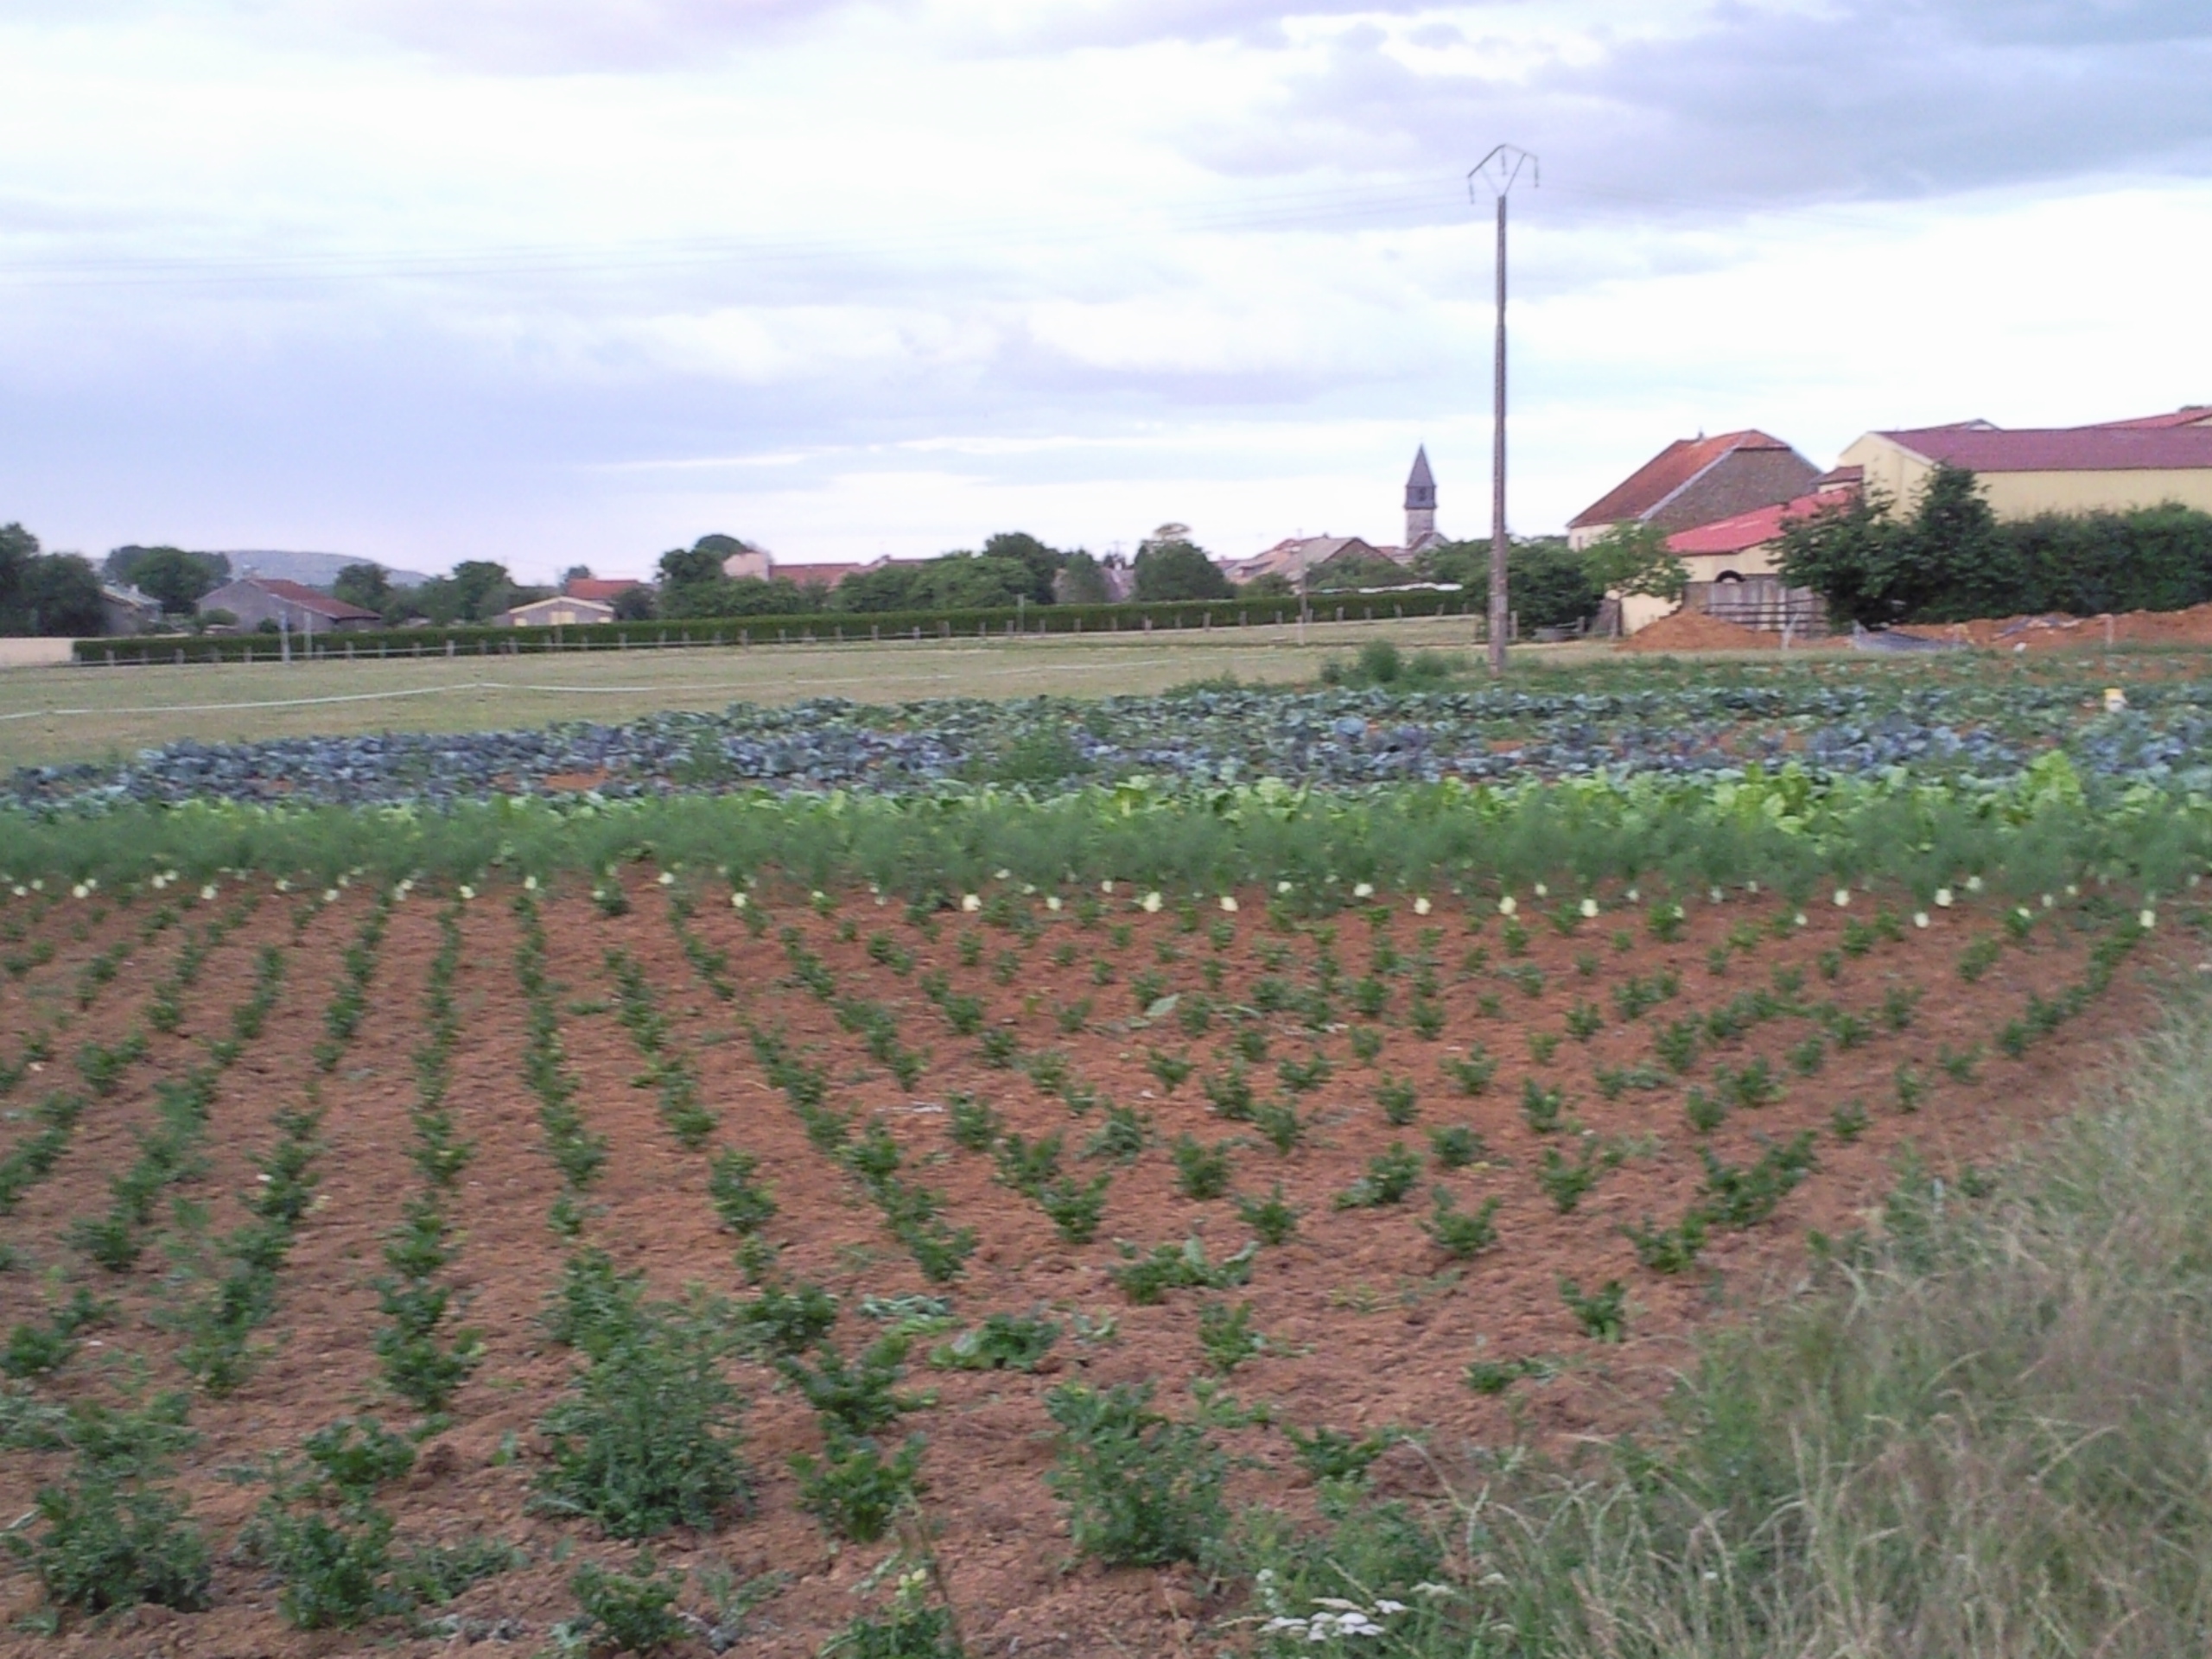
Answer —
1950 559
55 594
1010 570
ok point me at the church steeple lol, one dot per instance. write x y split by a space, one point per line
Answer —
1421 503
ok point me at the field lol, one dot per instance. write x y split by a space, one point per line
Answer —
50 714
1457 1113
1209 1173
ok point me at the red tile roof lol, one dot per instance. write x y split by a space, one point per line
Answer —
600 589
2064 448
309 599
1755 528
828 575
1665 473
2190 415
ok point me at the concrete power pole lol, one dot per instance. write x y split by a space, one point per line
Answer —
1499 170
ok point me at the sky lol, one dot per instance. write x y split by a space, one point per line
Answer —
561 282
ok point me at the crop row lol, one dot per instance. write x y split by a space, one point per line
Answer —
1832 723
1786 832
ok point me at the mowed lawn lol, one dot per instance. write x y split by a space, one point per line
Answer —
54 715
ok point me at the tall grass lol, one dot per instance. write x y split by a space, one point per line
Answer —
1987 1432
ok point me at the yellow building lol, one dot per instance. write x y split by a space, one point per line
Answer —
559 612
2074 469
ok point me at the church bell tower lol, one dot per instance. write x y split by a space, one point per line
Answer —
1421 503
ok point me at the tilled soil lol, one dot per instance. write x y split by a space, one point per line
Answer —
1366 1323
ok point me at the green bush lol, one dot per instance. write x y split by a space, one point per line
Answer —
1201 1171
743 1205
112 1542
787 1322
1012 1342
1146 1278
858 1396
1390 1175
1603 1313
915 1629
853 1489
1461 1233
627 1612
1272 1218
1141 1489
1226 1336
323 1534
648 1438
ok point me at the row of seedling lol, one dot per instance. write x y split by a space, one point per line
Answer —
169 1152
669 1070
576 1152
423 1357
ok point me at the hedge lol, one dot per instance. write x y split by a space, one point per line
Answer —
828 628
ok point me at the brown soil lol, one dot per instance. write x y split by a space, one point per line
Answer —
1695 631
1366 1323
2051 633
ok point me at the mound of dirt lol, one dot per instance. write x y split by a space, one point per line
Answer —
2058 632
1695 631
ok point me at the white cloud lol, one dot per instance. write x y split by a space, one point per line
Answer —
583 279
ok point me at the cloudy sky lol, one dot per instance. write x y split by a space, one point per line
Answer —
561 281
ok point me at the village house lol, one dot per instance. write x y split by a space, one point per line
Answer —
1699 481
2025 471
289 605
561 611
1294 557
603 590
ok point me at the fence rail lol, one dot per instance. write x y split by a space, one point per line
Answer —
746 632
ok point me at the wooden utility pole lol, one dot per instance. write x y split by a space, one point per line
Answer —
1499 170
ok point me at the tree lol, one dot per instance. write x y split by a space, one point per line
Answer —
60 596
1274 585
1548 584
688 567
972 581
51 594
575 573
1177 569
634 604
1042 562
17 547
1632 559
169 574
122 564
1349 571
887 588
1948 561
477 591
732 596
1840 553
951 582
1082 581
365 585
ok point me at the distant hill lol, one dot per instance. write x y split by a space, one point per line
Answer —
316 570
